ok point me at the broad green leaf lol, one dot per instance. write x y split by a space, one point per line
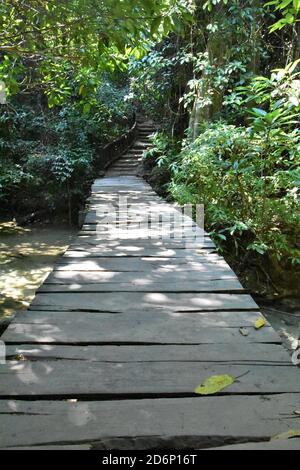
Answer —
86 108
296 4
214 384
291 67
259 112
284 4
278 25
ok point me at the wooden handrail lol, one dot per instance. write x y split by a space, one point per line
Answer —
112 151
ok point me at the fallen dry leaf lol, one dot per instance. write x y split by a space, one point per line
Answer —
286 435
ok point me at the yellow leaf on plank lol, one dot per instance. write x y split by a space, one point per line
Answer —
286 435
214 384
260 322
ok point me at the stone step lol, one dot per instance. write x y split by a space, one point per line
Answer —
128 160
135 152
126 165
121 173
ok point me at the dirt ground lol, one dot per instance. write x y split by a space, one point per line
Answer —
26 257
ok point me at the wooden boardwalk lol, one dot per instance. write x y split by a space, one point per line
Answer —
124 328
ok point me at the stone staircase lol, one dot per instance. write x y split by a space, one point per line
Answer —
129 163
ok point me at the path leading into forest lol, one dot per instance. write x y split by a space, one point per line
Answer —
134 316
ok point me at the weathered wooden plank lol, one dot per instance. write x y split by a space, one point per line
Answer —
266 354
121 182
137 327
115 187
192 319
143 264
118 302
136 234
135 227
91 277
82 378
133 265
86 251
196 259
226 285
148 423
145 219
100 242
130 234
141 206
139 233
134 193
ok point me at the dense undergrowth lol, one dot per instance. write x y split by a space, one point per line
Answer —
247 178
48 155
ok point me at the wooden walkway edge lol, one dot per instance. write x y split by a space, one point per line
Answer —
128 324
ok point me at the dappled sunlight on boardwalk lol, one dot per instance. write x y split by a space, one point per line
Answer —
131 322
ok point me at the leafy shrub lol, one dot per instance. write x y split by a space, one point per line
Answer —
47 155
249 197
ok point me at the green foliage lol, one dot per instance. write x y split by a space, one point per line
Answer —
289 10
47 156
78 37
249 196
202 66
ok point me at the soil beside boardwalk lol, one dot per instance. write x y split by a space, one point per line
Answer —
27 255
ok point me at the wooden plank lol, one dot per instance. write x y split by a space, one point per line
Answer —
118 302
145 215
132 192
141 208
163 234
74 378
86 251
191 258
97 240
91 277
260 354
140 327
143 264
226 285
116 182
139 235
148 423
134 266
189 319
114 186
148 228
